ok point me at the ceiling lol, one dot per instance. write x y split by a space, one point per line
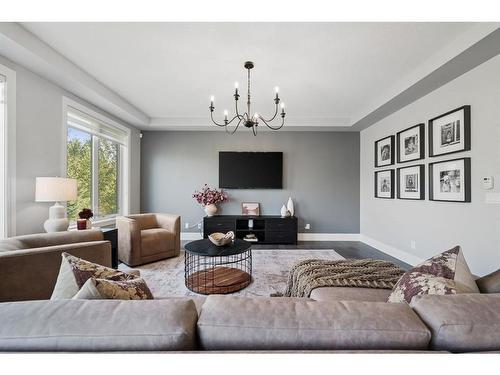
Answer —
328 73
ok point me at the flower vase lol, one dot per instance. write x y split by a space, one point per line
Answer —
210 209
81 224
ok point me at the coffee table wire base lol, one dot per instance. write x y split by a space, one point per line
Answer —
217 274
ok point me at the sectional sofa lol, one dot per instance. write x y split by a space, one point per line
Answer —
332 319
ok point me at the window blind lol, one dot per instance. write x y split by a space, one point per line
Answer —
82 121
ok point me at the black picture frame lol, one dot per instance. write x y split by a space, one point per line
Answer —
467 181
421 143
467 131
392 183
421 182
377 162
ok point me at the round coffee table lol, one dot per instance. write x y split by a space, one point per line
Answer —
210 269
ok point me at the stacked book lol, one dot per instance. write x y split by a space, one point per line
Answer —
250 238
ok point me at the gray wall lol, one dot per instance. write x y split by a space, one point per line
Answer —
436 226
321 174
40 145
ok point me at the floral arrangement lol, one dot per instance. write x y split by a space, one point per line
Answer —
208 196
85 213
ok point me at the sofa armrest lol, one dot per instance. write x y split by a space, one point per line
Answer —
129 239
461 322
32 273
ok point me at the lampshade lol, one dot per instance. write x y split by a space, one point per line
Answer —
55 189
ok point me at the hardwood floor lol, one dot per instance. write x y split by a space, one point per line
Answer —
348 249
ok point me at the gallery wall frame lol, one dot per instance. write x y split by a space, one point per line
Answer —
414 190
450 180
450 132
384 151
410 144
379 190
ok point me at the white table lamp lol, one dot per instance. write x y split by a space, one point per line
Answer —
56 189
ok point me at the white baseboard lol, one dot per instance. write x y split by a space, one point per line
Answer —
191 236
391 250
328 237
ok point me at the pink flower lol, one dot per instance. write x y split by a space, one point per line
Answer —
207 196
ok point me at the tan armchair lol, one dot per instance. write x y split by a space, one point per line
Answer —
146 238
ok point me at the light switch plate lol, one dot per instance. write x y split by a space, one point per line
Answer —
488 183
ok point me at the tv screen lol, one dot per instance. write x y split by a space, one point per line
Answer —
250 170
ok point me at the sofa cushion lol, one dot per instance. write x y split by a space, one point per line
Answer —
462 322
157 240
98 325
238 323
350 294
489 283
445 273
145 221
111 289
74 272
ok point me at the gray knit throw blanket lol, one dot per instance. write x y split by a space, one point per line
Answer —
310 274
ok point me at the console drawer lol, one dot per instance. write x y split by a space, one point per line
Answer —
219 226
281 237
281 225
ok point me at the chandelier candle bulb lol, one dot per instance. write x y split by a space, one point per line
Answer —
225 114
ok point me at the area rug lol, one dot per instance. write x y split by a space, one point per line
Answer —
269 272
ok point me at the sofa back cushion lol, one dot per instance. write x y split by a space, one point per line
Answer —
31 241
98 325
238 323
489 283
461 322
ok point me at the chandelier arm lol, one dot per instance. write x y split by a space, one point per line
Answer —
212 117
236 128
272 127
235 117
275 113
237 113
254 130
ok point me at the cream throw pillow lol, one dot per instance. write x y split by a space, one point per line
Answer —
74 272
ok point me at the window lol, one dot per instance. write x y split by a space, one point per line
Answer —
3 156
96 155
7 151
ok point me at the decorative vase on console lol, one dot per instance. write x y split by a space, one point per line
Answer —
289 206
284 211
209 198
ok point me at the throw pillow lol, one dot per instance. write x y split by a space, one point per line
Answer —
110 289
74 272
445 273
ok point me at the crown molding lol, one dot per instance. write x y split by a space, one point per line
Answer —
22 47
291 124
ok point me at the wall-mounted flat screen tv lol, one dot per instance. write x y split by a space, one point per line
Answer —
250 170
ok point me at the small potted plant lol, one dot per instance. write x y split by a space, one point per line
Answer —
84 219
209 198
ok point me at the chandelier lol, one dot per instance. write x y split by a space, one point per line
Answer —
248 120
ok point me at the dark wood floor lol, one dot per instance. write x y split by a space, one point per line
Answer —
348 249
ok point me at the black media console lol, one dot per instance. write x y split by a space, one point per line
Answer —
266 229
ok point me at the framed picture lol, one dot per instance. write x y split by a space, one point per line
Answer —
411 182
411 143
384 184
449 180
384 151
250 209
450 132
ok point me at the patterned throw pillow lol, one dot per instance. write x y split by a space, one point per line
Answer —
74 272
445 273
109 289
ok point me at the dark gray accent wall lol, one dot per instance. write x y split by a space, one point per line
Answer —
320 173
